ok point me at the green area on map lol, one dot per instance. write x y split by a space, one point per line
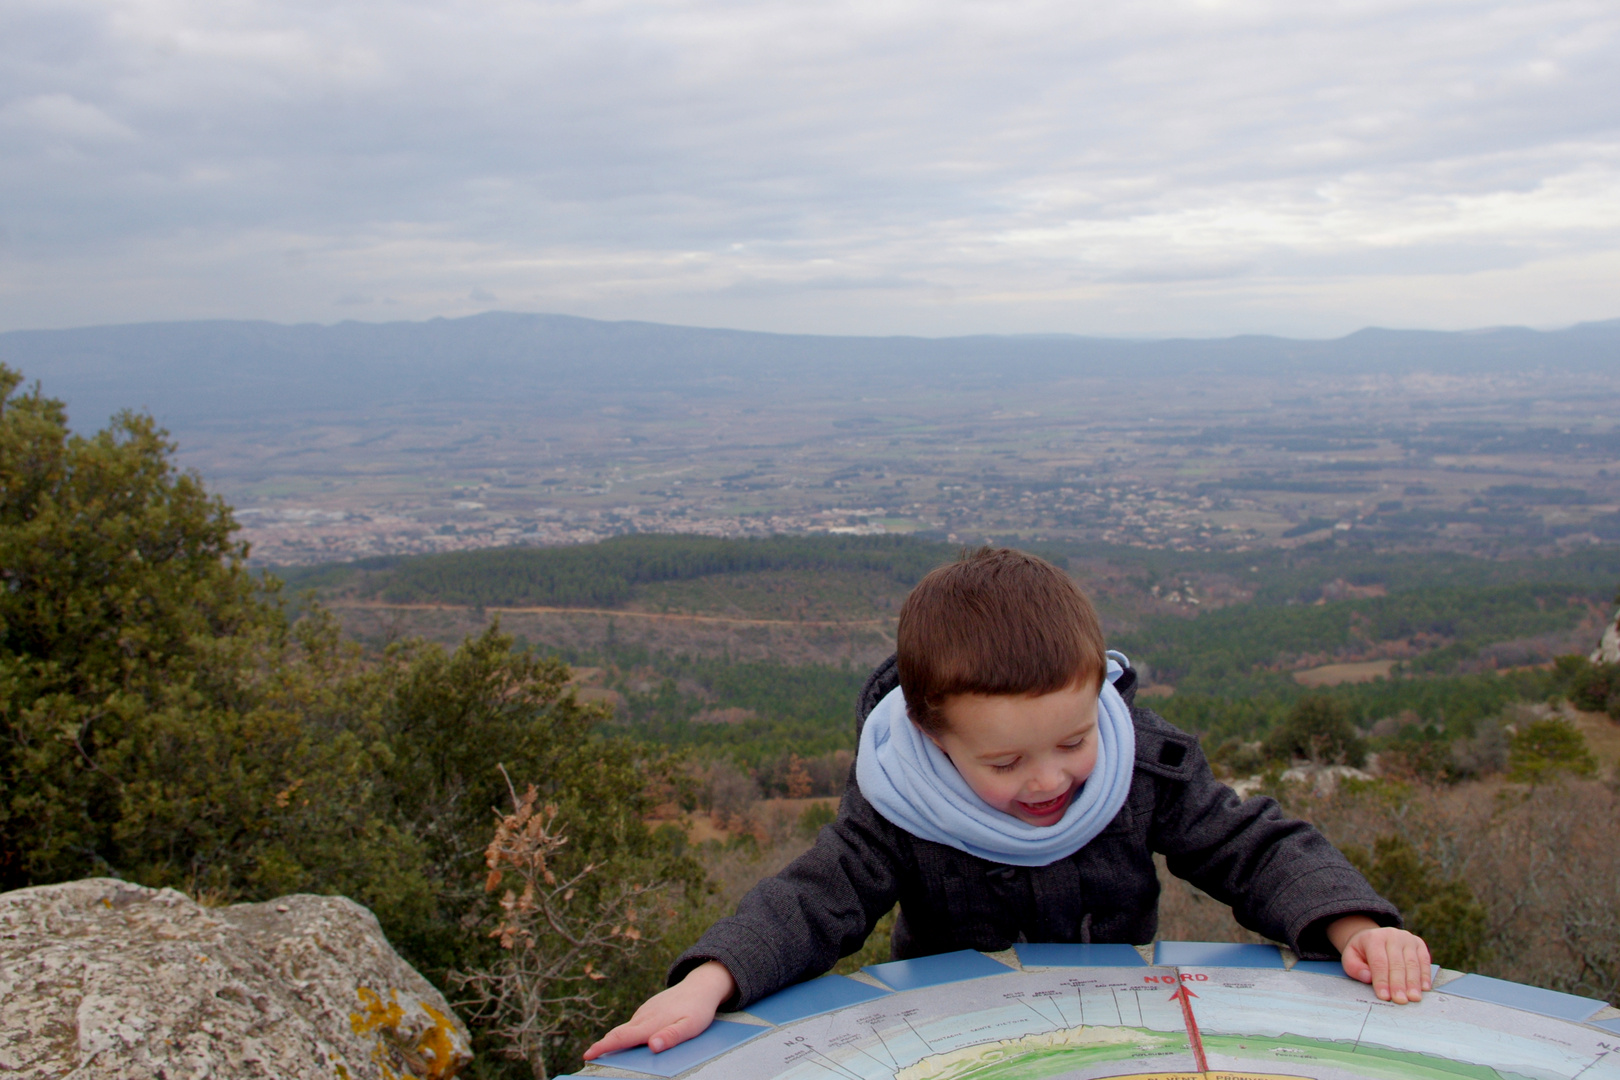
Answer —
1298 1053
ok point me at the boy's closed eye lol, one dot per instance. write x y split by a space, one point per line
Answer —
1004 764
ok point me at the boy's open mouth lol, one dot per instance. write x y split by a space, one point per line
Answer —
1047 808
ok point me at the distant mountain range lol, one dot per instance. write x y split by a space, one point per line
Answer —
192 371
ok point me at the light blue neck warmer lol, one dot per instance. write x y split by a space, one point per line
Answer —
913 784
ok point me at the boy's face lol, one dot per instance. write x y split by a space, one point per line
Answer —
1024 755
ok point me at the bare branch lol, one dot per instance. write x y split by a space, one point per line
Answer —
554 946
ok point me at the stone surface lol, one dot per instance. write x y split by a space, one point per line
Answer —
1323 779
101 979
1608 650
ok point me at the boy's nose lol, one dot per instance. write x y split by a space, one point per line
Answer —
1048 781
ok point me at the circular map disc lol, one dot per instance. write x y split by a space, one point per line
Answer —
1199 1012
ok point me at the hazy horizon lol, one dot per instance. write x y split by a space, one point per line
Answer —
1193 168
1123 336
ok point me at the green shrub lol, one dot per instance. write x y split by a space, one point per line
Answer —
1543 748
1596 687
1235 758
1317 728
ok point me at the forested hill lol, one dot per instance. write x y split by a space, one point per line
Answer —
1244 624
605 574
1222 639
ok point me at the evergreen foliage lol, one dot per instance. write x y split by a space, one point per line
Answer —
124 608
807 709
1296 577
1546 747
1226 651
1317 728
1445 706
1593 687
606 573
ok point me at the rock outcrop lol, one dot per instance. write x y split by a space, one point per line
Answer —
1608 650
102 979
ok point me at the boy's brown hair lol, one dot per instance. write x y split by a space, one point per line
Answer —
997 621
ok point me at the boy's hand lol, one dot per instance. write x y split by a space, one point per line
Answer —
1394 961
670 1018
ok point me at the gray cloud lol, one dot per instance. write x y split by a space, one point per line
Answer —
934 167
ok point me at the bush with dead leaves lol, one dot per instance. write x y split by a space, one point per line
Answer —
556 934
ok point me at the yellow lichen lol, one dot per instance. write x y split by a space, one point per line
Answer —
431 1053
438 1043
378 1014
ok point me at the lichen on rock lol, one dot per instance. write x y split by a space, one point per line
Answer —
101 979
414 1041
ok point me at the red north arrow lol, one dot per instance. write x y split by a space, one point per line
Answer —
1184 996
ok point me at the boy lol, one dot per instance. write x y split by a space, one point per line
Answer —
1005 790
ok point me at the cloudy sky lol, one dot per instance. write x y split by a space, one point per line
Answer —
1146 167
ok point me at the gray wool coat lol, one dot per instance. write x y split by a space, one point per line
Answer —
1282 878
